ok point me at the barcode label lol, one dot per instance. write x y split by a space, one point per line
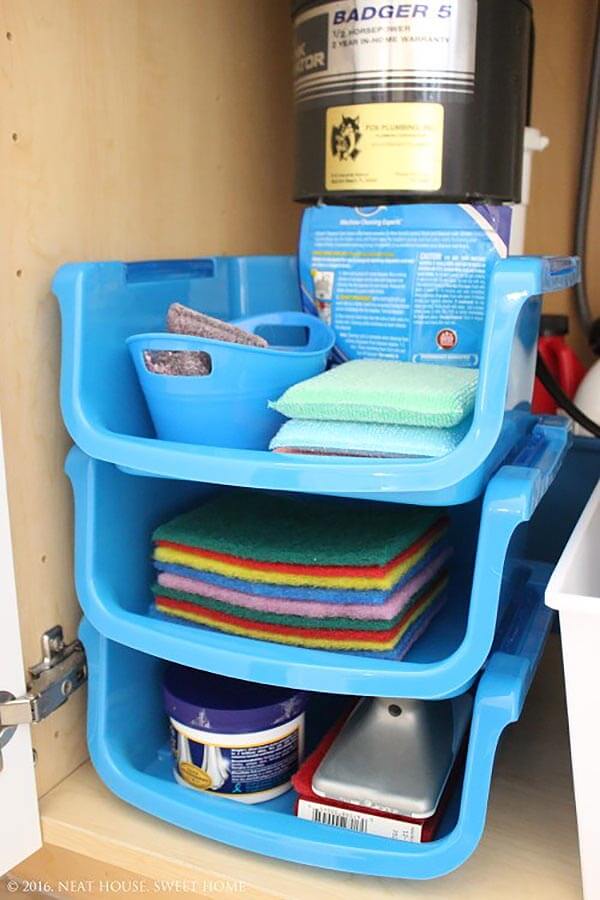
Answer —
363 823
327 817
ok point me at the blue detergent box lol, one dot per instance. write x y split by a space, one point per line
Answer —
402 282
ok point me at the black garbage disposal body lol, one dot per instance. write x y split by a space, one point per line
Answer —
410 101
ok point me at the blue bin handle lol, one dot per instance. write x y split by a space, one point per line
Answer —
513 283
531 468
501 694
166 269
516 655
514 493
511 498
519 277
560 273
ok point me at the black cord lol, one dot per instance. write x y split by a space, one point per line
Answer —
588 157
561 399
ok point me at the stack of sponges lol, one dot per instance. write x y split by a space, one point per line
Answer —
378 408
310 571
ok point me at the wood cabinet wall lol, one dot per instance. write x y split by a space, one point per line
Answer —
157 128
129 129
564 36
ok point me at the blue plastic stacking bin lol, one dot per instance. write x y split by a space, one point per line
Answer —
103 304
488 639
116 513
129 747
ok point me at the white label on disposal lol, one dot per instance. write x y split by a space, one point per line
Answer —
366 46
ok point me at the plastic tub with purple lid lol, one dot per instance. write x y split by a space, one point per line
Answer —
233 738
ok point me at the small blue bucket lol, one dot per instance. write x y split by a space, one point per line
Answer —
228 407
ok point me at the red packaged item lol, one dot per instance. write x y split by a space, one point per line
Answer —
361 818
560 360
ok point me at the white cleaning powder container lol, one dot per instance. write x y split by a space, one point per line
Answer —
232 737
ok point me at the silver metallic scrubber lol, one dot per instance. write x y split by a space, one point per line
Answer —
395 755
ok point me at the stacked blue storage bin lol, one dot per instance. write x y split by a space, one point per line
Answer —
488 639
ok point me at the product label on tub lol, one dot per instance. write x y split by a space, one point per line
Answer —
365 46
406 282
384 146
233 771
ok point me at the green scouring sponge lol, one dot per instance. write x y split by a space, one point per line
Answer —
384 392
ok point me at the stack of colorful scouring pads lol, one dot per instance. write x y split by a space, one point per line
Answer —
317 572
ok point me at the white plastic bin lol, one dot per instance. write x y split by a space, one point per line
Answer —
574 590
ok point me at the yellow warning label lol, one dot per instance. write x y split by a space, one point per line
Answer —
384 147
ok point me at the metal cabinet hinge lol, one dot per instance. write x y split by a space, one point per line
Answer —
60 672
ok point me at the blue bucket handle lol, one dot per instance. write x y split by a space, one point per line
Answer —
139 343
320 335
